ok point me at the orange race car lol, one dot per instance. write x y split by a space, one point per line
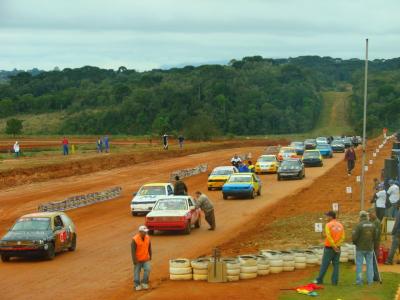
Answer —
287 153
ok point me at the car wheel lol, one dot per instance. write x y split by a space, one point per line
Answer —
134 214
188 228
73 244
279 178
198 223
5 258
51 252
151 232
304 175
259 192
209 189
224 196
253 194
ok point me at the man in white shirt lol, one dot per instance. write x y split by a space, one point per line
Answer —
394 196
380 201
16 149
236 160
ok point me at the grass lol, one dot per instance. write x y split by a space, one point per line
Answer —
346 290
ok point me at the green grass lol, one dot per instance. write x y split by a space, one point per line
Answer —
346 290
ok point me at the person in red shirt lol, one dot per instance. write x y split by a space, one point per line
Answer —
350 157
65 145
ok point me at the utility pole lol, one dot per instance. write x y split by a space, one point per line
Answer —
364 128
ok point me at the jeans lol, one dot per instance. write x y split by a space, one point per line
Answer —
394 247
380 212
368 255
350 165
65 149
329 256
391 212
146 272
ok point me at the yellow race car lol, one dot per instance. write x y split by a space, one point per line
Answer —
219 176
267 164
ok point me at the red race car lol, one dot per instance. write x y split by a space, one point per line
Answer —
174 214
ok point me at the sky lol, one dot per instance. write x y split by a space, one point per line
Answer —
149 34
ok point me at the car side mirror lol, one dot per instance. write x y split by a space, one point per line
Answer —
192 207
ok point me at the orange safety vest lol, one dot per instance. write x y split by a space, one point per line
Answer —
334 232
142 247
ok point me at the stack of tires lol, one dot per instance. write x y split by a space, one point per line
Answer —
232 268
344 254
288 261
275 261
262 265
351 251
248 266
299 259
311 258
180 269
319 251
200 268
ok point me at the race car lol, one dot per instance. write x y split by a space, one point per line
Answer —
338 145
144 200
219 176
39 234
312 158
246 185
310 144
177 213
299 147
325 150
266 164
286 153
322 140
291 168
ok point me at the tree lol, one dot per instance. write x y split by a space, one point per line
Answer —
14 126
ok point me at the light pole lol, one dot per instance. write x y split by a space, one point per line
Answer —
364 128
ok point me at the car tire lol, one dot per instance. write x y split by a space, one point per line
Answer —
134 214
279 178
51 252
5 258
188 227
151 232
259 192
252 194
73 244
224 196
209 189
198 223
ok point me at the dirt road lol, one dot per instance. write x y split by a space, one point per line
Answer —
101 266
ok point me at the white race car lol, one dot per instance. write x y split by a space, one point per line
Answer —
144 200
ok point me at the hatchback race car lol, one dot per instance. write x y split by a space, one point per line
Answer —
240 185
177 213
219 176
338 145
286 153
266 164
291 168
144 200
39 234
312 158
310 144
325 150
322 140
299 147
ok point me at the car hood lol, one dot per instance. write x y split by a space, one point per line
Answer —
26 235
218 177
311 158
167 213
151 198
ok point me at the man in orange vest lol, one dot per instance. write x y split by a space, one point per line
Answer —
141 256
334 232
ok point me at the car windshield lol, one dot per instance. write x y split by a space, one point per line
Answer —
171 204
290 163
288 151
152 191
32 224
240 179
337 142
222 172
267 159
313 154
323 146
297 144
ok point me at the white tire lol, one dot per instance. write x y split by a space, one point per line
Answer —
200 277
233 277
247 260
288 269
263 272
299 259
276 263
262 267
180 271
231 263
288 264
301 265
179 263
251 269
233 272
200 271
344 259
312 261
181 277
262 260
275 270
200 263
287 256
244 276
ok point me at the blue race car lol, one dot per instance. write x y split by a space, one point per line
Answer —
246 185
325 150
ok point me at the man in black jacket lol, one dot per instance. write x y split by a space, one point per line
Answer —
395 241
180 187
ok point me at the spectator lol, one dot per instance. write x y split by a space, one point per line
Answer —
181 140
236 160
141 256
16 149
377 223
207 207
394 196
365 238
251 166
180 187
106 144
350 157
395 241
243 168
165 141
65 145
380 201
376 184
99 145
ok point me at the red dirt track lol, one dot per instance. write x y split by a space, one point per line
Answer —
101 266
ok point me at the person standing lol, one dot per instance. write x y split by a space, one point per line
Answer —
251 167
180 187
377 223
394 196
181 139
16 149
395 241
106 144
236 160
350 157
335 235
65 145
141 256
99 145
207 207
243 168
165 141
380 201
375 184
364 237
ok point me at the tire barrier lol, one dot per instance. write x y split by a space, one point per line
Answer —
180 269
81 200
232 268
344 254
288 261
299 259
319 251
262 265
351 251
189 172
311 258
200 268
248 266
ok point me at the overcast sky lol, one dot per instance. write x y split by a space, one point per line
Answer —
146 34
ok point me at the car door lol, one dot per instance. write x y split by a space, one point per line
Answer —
256 184
69 228
60 234
170 190
194 214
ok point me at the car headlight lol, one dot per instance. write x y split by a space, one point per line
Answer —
41 242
